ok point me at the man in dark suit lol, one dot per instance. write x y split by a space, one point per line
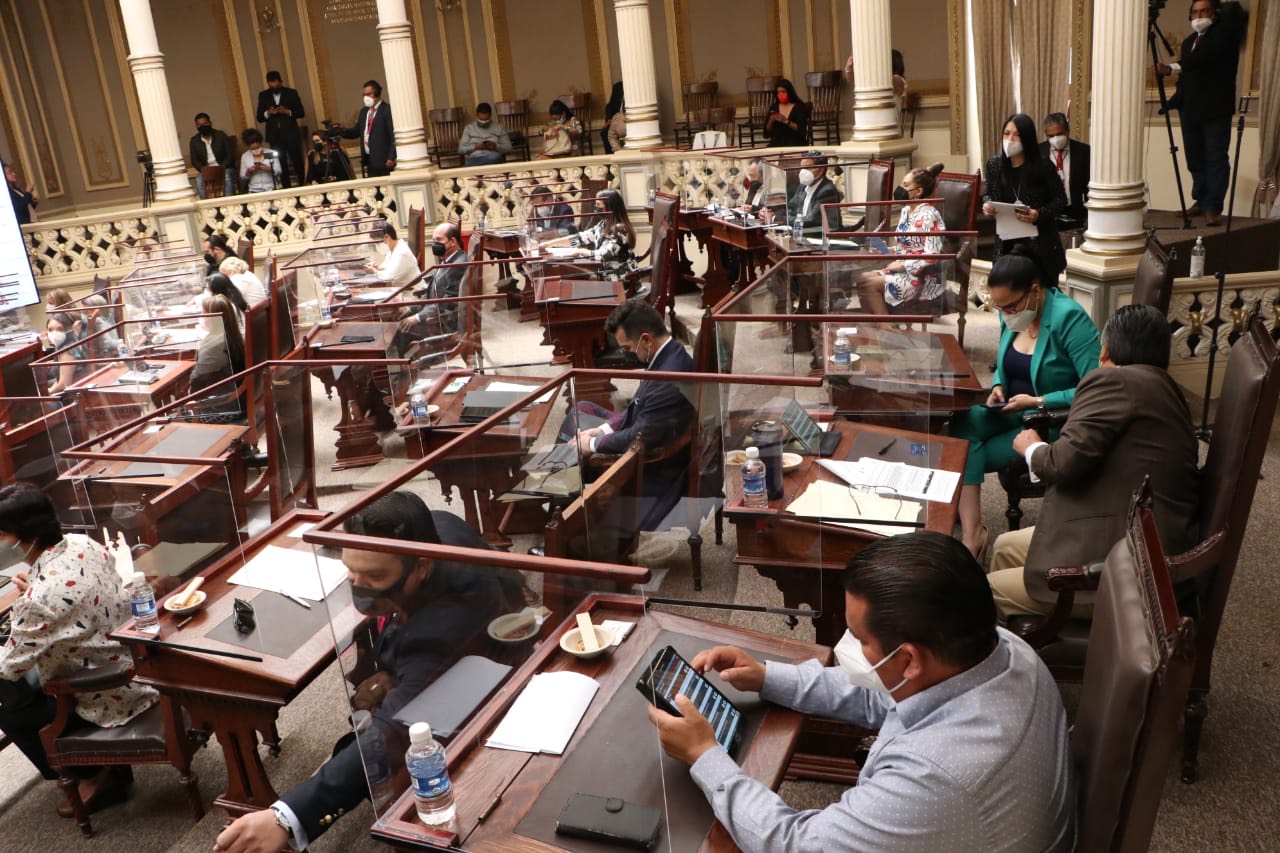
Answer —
660 412
435 612
376 132
279 108
1070 158
1206 100
212 147
1129 420
442 281
815 190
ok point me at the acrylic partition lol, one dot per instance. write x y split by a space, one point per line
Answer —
786 194
34 434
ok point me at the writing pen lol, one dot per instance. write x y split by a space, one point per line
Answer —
297 600
885 449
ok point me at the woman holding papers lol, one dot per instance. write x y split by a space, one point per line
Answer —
906 280
1018 175
611 239
1047 344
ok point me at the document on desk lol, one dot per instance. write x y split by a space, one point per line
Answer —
907 481
291 572
1008 225
833 501
520 388
546 713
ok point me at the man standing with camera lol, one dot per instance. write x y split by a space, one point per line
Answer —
279 108
1206 100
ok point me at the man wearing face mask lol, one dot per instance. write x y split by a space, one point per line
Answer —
431 613
279 108
1070 159
484 141
399 266
212 147
972 752
816 189
376 132
442 281
216 250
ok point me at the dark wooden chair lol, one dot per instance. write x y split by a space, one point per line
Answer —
824 103
215 178
760 94
446 132
291 460
284 314
698 98
580 104
1228 480
159 735
514 116
244 250
907 116
718 120
417 235
1126 724
960 193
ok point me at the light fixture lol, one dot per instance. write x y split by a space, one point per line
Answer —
267 19
448 5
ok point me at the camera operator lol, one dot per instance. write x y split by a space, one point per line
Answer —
326 161
259 167
1206 100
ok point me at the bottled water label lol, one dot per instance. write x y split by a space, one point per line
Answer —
430 787
142 607
753 483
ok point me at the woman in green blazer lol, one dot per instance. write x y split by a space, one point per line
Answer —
1047 345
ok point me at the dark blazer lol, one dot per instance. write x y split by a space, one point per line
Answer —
1078 158
224 151
1126 423
23 203
382 139
824 192
280 129
444 282
462 600
1206 87
1039 187
781 135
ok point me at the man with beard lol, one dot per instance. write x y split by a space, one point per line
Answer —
429 613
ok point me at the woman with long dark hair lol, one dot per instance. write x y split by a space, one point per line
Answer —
1019 175
611 238
787 122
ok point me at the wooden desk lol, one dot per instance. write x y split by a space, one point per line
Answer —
237 700
888 386
805 557
489 463
749 241
715 279
575 327
360 390
497 788
16 376
102 389
193 490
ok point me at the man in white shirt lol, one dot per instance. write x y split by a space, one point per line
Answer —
212 147
1070 158
399 266
249 285
259 167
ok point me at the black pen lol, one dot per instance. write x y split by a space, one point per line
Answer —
885 449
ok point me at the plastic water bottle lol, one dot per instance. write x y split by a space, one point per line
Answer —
123 350
432 791
1197 258
373 752
797 230
142 601
840 352
418 405
753 481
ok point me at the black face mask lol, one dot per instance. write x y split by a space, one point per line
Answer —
754 185
319 146
206 130
366 598
210 259
437 249
900 194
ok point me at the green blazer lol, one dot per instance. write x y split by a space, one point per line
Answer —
1066 350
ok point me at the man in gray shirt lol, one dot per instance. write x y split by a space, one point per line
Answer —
484 141
972 752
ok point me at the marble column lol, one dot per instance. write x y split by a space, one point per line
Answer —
147 64
875 114
1116 170
635 52
402 84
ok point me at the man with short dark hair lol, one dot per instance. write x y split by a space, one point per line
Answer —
972 752
484 141
211 147
1070 157
376 132
442 281
1129 420
435 612
279 108
815 190
399 266
216 250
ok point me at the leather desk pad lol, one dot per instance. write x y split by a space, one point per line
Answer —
282 626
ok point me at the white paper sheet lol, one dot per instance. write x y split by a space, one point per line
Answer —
546 713
826 500
1008 225
907 481
619 628
519 388
291 572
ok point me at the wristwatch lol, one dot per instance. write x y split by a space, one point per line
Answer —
283 823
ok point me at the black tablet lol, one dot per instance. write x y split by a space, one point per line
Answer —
670 675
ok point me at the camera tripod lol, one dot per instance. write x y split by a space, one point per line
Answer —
1153 34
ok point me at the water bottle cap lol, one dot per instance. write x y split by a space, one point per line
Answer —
419 733
753 453
138 577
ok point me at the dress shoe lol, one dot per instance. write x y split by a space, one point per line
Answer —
108 788
1194 209
1212 220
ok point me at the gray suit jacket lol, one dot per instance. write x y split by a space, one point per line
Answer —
1126 423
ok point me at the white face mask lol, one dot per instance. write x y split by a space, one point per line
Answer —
368 102
57 339
1201 24
1012 148
382 249
859 670
1058 142
806 177
1022 321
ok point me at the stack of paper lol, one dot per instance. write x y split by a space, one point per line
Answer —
546 713
899 478
291 572
830 501
519 388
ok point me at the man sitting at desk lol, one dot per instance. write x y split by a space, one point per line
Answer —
659 412
443 281
972 752
399 266
815 190
1129 420
434 610
216 250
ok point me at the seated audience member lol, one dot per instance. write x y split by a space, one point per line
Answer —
972 752
909 281
259 168
1129 420
211 147
245 280
327 161
100 318
442 281
399 265
64 341
547 214
435 611
484 141
815 190
787 120
216 250
1070 158
71 600
660 413
561 134
221 351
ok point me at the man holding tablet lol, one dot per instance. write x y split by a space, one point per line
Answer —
972 752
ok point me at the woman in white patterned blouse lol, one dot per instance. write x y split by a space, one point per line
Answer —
907 280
